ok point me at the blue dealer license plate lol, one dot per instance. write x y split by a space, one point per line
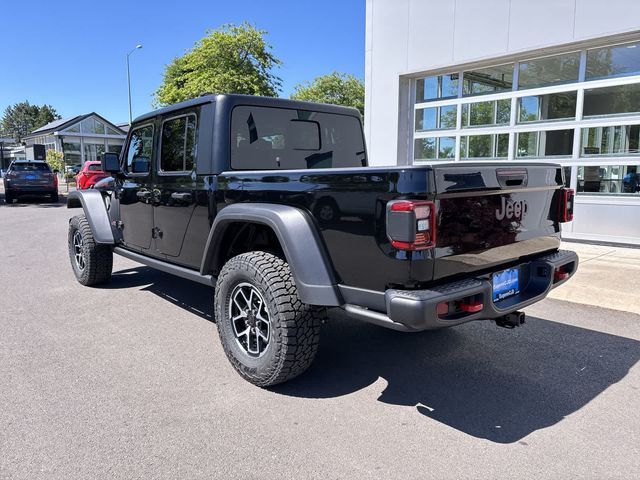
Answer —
30 177
506 284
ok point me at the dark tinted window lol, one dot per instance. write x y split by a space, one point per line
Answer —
95 167
177 150
140 149
265 138
30 167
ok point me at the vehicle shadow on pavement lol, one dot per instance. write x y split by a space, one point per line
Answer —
191 296
40 202
487 382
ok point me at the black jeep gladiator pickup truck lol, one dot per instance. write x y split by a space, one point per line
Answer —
271 202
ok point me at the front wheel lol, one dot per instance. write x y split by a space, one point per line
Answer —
267 333
91 262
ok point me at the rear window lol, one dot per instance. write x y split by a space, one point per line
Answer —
265 138
30 167
95 167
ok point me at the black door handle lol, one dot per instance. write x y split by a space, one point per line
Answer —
184 196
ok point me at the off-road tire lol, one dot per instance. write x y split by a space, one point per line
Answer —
295 327
98 259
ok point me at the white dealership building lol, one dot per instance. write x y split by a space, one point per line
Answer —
514 80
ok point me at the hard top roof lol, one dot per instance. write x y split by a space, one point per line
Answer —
237 99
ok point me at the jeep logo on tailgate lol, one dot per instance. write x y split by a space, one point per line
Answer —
512 209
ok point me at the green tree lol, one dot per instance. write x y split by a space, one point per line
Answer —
22 118
55 160
336 88
231 59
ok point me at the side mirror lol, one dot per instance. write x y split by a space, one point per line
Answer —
111 162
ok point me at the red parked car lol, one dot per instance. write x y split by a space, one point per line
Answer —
89 174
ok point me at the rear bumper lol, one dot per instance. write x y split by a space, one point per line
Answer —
415 310
30 189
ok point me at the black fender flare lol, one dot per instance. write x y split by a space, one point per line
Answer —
299 238
95 210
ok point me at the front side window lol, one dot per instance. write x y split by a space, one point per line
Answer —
140 150
264 138
178 146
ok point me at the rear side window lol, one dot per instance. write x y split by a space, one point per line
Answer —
95 167
140 150
265 138
178 146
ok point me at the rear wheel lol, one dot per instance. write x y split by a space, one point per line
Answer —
267 333
91 262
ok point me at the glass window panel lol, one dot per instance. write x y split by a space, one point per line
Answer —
91 125
549 70
111 131
449 86
284 138
177 153
431 88
434 148
545 144
480 114
72 154
567 176
488 80
503 113
446 147
424 148
426 89
555 106
502 146
436 118
616 61
73 128
426 119
616 100
484 146
448 116
609 179
93 151
140 149
614 140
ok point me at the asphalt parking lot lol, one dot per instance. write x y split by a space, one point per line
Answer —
130 381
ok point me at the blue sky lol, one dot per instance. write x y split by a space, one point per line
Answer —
71 54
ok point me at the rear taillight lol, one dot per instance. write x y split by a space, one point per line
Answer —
565 205
411 225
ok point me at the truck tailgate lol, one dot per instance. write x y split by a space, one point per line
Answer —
493 214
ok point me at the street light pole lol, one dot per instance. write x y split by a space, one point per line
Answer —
129 80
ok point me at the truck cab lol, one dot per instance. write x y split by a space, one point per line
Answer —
273 203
